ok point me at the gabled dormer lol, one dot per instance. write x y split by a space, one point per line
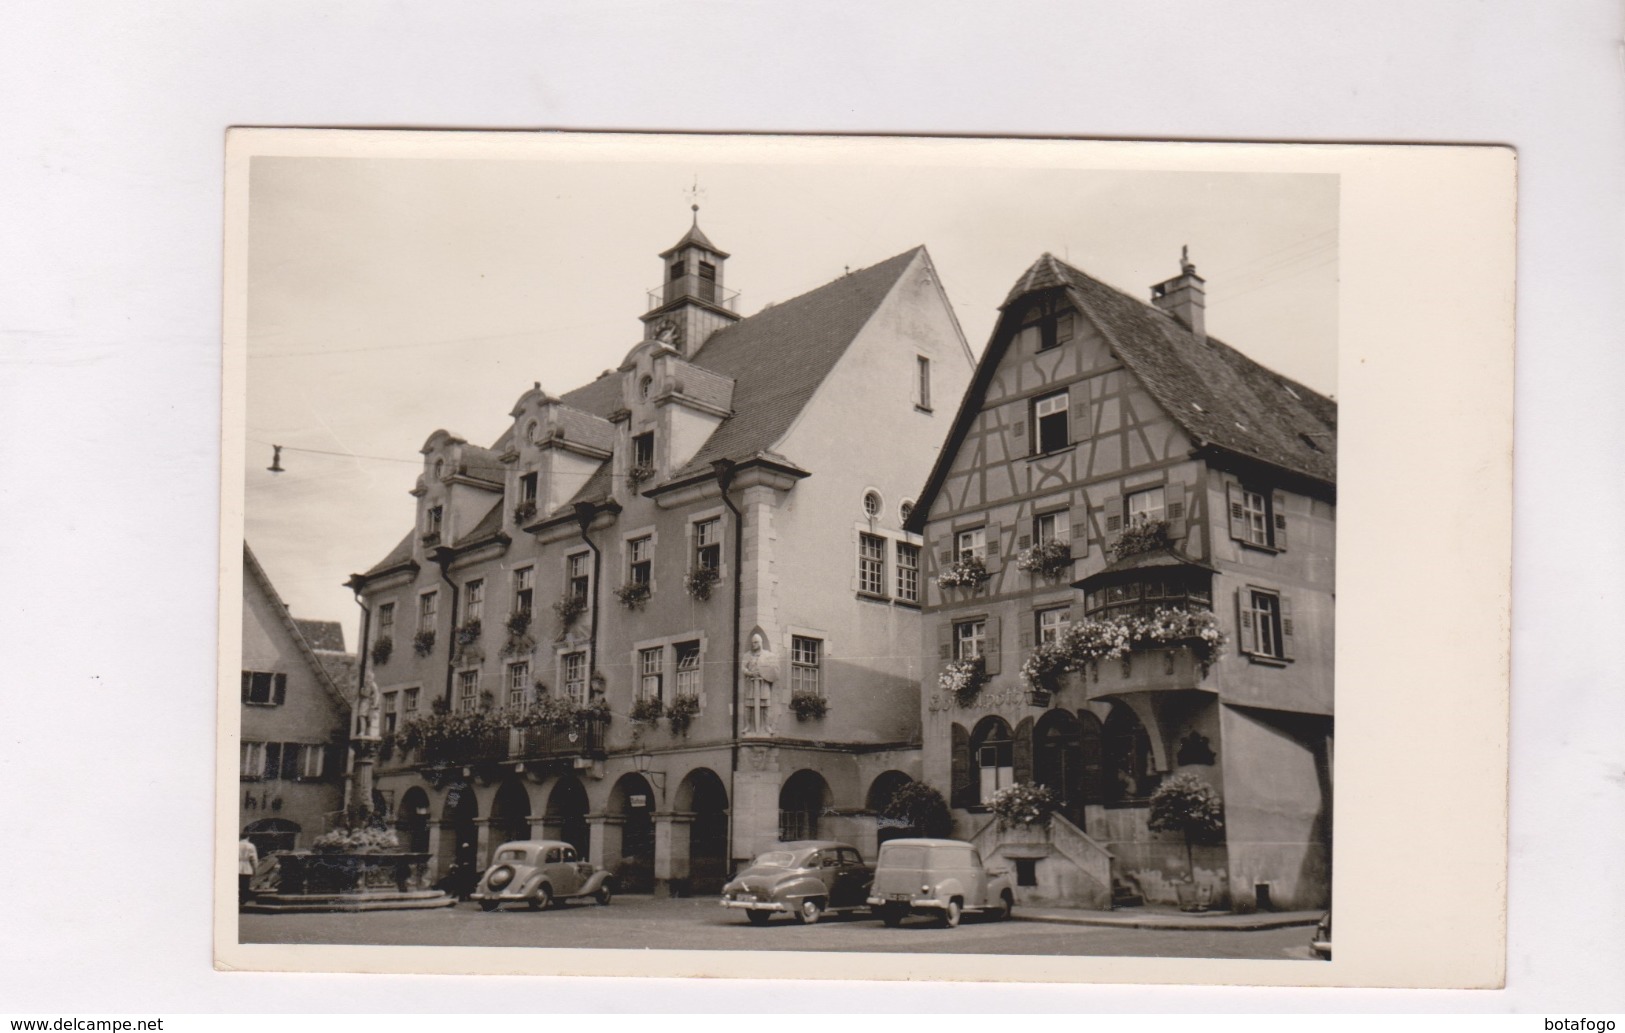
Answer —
458 484
553 448
670 407
691 302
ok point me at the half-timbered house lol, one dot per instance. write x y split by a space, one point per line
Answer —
1129 569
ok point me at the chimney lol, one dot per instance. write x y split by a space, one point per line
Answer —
1183 297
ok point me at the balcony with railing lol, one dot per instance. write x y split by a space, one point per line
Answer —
699 288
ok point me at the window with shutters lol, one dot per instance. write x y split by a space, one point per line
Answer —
1049 418
651 672
1257 518
1052 527
312 759
871 564
253 765
1266 623
971 544
908 573
265 688
1146 506
806 666
1052 623
970 639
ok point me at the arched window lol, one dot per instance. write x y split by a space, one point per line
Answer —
644 385
992 757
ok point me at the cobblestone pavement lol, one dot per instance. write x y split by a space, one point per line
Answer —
700 924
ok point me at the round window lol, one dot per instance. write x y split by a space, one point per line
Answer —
871 503
906 510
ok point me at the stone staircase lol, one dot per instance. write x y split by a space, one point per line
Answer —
1069 867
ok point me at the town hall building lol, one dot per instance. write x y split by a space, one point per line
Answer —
658 618
1129 579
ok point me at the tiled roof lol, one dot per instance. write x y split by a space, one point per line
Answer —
398 555
1217 394
482 464
489 525
1238 404
779 356
326 636
600 397
695 236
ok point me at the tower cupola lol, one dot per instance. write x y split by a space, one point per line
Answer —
691 302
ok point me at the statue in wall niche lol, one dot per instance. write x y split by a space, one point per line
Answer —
761 670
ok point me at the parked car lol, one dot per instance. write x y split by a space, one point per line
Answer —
940 877
808 879
538 872
1321 942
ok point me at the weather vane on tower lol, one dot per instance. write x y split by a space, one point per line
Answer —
694 194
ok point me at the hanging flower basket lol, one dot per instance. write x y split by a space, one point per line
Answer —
808 706
1140 536
382 650
963 679
569 608
969 572
700 581
423 643
682 712
1050 559
633 594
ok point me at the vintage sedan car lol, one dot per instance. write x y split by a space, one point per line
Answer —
940 877
808 879
538 872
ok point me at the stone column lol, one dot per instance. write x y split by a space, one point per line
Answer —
755 810
482 842
605 830
672 831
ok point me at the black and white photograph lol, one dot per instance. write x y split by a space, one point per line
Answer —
788 556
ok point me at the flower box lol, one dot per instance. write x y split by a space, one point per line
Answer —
633 594
700 581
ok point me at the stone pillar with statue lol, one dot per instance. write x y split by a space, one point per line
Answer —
364 741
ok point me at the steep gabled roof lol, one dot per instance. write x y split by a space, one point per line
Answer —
1220 397
323 636
253 570
401 553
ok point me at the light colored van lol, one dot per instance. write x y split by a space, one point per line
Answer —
940 877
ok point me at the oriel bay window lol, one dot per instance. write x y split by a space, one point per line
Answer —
1145 591
871 564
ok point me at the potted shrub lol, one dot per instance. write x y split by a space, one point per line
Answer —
918 809
1188 805
1049 559
682 712
700 581
966 572
423 643
569 608
808 706
633 594
382 649
647 710
963 679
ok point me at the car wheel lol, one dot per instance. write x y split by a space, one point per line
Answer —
543 898
758 917
810 911
950 914
489 905
893 916
603 897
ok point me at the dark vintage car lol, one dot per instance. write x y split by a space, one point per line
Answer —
538 872
808 879
940 877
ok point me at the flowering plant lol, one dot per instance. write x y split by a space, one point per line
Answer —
700 581
633 594
460 738
1088 642
371 840
524 511
1023 804
423 643
1048 559
963 678
569 607
598 708
1140 536
469 632
647 710
554 712
518 622
965 572
640 473
682 712
808 706
382 650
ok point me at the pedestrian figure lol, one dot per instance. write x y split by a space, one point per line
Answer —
248 858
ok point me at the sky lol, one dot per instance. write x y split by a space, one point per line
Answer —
389 297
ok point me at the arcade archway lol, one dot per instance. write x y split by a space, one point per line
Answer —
412 821
510 813
632 801
802 800
702 794
566 814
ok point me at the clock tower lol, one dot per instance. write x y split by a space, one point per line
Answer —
691 303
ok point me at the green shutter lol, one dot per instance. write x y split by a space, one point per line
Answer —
1236 508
